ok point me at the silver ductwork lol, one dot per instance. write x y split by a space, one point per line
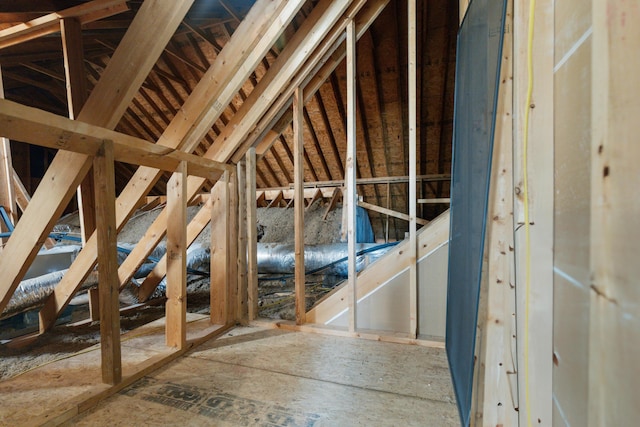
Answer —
32 293
278 258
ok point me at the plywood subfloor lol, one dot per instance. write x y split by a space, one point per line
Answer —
256 376
43 394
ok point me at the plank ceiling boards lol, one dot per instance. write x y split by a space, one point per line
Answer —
34 75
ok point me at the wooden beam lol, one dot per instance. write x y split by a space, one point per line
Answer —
103 167
220 251
176 305
241 256
317 195
276 201
413 132
391 212
209 98
337 194
252 236
534 291
7 192
76 82
298 174
196 226
38 127
614 323
276 121
127 69
435 201
302 45
48 24
350 176
495 369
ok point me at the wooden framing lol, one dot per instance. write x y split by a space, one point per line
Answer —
350 176
221 254
186 134
76 82
107 264
614 296
279 77
48 24
176 305
38 127
495 399
412 195
185 131
252 236
298 173
241 257
391 212
276 118
7 192
535 292
123 76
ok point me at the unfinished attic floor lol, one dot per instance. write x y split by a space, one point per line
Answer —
256 376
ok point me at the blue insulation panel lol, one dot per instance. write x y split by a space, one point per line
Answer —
477 81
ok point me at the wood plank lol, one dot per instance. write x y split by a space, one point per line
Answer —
34 126
7 192
176 305
614 323
350 176
444 200
317 195
492 395
195 227
241 257
252 235
298 176
220 251
232 289
337 194
123 76
103 167
535 382
48 24
391 212
412 194
76 83
277 200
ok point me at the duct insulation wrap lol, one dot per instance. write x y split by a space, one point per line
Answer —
278 258
198 259
32 293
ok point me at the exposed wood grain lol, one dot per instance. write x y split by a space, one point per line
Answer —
220 251
176 305
107 264
350 176
252 235
298 175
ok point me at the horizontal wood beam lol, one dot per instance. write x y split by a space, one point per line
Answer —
33 126
390 212
434 201
48 24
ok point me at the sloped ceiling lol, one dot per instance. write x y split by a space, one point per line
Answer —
33 74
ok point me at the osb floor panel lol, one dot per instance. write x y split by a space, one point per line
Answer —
28 396
256 376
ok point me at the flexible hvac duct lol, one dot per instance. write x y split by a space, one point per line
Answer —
277 258
32 293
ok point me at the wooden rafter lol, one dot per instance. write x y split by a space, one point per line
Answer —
106 104
48 24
